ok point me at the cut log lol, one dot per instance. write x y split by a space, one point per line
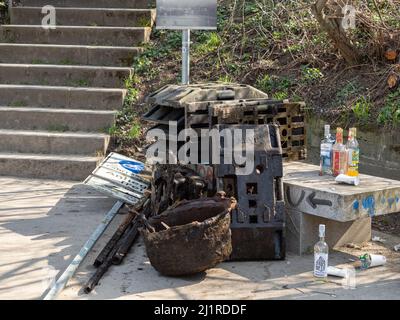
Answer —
393 80
391 54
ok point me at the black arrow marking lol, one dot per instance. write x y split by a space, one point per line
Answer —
317 202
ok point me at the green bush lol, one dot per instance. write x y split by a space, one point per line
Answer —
361 108
390 113
311 75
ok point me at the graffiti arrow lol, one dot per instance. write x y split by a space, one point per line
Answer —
289 198
317 202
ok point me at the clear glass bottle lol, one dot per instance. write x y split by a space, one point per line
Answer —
339 154
353 154
321 251
326 152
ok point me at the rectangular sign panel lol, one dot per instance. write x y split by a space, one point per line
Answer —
187 14
121 177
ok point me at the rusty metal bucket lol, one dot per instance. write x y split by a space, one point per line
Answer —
191 237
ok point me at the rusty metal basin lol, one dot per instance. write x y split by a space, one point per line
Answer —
191 237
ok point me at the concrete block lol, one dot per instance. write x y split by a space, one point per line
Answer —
310 193
302 231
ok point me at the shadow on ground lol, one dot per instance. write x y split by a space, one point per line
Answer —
43 225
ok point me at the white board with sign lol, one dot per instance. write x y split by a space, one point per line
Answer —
121 177
187 14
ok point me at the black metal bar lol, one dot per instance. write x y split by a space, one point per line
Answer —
127 243
120 250
114 240
119 233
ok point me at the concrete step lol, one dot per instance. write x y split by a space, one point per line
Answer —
75 35
55 75
86 17
68 54
39 166
43 142
56 120
133 4
61 97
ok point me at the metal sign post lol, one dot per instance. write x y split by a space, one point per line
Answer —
186 16
186 57
10 4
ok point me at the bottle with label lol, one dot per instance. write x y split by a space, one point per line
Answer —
321 251
353 153
326 152
339 154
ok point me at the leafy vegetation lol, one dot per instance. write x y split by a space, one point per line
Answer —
278 47
361 108
390 113
3 12
311 75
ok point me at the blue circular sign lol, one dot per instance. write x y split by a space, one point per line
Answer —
132 166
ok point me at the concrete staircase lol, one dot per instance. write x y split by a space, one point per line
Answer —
61 89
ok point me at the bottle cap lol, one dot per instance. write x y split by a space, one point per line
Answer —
322 230
339 135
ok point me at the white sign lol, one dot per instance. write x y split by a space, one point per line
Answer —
120 177
187 14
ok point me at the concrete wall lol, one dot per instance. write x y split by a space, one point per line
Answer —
379 149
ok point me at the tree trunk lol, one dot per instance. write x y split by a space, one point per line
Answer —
334 30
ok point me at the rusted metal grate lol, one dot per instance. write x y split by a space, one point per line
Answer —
289 116
258 222
203 106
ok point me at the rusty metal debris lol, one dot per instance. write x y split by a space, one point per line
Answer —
120 243
197 236
174 183
204 106
190 222
258 222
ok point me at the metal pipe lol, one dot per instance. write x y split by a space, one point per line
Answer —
70 271
10 4
186 57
